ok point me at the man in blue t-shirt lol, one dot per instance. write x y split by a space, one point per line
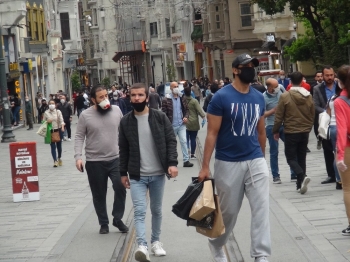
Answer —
236 128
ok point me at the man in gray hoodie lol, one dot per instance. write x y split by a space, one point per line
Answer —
296 110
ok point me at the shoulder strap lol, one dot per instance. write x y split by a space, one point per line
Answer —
344 98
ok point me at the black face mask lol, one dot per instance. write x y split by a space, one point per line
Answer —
187 92
247 74
139 107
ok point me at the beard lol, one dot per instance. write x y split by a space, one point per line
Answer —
103 111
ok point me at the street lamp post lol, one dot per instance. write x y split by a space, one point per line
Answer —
7 135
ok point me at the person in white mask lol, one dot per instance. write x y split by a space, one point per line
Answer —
98 127
283 80
54 116
176 109
272 96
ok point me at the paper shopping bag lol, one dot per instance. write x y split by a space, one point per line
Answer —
42 129
205 203
218 226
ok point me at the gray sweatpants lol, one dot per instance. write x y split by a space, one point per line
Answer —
232 180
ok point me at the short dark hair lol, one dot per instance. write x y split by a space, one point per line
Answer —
138 86
214 87
296 78
317 72
344 77
227 79
96 89
328 67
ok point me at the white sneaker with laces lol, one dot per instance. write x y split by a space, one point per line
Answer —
261 259
303 188
157 249
141 254
217 254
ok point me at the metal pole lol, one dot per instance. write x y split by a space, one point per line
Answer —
7 135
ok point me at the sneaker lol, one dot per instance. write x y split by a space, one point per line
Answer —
218 254
298 190
60 162
193 157
64 138
261 259
319 145
55 164
121 226
338 186
188 164
69 139
293 179
303 188
104 229
30 128
346 231
277 180
157 249
141 254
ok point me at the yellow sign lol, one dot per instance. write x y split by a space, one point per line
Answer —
30 64
13 66
16 83
18 90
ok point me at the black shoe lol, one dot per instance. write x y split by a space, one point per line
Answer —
30 128
328 180
308 150
339 186
104 229
188 164
346 231
121 226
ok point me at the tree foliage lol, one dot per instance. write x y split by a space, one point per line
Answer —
170 70
75 81
327 23
106 82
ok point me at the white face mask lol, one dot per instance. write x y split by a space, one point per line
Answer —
282 77
176 91
52 107
27 99
62 101
115 97
104 104
276 90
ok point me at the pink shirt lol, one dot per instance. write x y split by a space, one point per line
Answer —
342 115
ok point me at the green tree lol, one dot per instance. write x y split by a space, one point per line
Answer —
75 81
106 82
327 26
170 70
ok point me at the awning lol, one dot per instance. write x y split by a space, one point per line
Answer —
119 55
289 42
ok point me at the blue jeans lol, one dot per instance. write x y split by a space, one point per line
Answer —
53 150
333 136
274 150
191 137
16 117
180 131
138 190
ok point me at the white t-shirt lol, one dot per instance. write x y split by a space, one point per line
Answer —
331 106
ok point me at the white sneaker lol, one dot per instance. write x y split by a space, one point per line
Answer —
64 138
261 259
69 139
157 249
141 254
303 188
217 254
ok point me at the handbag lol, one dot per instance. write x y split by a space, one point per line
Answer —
183 206
42 129
48 134
323 128
218 227
204 204
55 137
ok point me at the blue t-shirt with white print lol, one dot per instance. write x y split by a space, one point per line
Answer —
238 137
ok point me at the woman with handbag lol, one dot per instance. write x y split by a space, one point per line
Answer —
54 116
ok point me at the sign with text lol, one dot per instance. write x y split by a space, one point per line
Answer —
25 179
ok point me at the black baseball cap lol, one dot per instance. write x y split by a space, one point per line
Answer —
244 59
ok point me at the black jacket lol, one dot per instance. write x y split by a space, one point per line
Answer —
163 135
66 110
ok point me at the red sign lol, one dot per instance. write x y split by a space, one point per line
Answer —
25 179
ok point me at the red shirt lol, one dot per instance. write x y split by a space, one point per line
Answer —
342 116
303 84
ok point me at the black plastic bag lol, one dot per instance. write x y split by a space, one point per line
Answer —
206 222
183 206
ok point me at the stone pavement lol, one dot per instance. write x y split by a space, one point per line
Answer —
63 224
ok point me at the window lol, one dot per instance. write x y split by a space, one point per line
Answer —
65 29
153 29
246 15
217 20
35 34
29 24
167 27
216 8
94 17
